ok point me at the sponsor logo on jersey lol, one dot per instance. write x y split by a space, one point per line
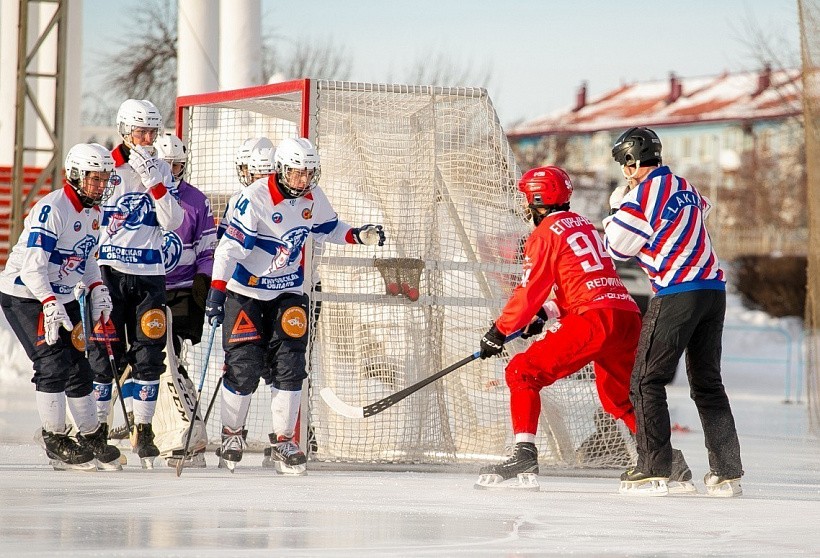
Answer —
291 249
235 233
171 250
77 226
78 337
153 324
98 334
95 225
554 327
307 213
294 322
277 218
243 330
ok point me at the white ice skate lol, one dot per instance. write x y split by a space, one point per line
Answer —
285 456
721 487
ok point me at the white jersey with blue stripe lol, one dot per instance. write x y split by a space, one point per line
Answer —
661 222
131 238
55 250
260 255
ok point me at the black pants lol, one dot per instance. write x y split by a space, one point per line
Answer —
140 323
265 339
690 321
59 367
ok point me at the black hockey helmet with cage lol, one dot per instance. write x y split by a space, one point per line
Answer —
637 146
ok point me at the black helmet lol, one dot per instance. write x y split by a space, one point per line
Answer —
638 146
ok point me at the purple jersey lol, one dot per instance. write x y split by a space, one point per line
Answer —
189 249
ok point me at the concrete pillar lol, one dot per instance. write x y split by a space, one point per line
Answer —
240 53
72 115
8 79
198 49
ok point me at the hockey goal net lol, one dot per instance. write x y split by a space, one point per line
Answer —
432 164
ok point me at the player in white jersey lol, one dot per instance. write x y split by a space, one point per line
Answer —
54 253
246 177
258 291
131 262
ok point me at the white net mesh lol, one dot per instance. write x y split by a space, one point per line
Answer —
434 167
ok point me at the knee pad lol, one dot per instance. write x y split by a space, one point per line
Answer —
520 374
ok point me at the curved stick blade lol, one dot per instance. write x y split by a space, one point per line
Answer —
340 406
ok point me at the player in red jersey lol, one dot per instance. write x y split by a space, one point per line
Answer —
597 320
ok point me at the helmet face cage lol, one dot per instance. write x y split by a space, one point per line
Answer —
135 113
173 151
297 156
636 146
83 159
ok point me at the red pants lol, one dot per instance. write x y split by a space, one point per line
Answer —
607 337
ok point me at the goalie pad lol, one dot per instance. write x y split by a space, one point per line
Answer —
175 406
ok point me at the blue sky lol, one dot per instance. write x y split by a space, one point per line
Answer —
536 51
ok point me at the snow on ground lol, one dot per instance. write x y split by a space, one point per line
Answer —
336 511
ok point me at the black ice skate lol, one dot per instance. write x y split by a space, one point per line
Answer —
108 457
722 486
121 431
523 466
680 479
285 456
638 483
233 444
65 454
142 440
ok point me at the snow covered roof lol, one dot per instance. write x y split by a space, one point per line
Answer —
760 95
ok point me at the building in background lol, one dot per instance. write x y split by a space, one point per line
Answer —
738 137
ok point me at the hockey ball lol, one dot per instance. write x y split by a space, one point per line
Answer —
413 294
393 289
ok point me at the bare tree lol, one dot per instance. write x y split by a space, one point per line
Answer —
323 60
447 72
147 67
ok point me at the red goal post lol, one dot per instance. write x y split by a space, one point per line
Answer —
433 165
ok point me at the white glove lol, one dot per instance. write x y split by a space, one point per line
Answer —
552 310
617 196
370 235
147 166
101 304
80 290
54 316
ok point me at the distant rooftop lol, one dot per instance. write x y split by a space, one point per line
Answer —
767 94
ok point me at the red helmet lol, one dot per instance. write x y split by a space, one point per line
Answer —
546 186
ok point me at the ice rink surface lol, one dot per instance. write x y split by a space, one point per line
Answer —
332 512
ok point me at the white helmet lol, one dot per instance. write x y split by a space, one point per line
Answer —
90 157
136 113
243 155
261 161
297 154
172 150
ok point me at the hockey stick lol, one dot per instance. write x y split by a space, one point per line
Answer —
81 300
116 374
213 400
181 462
350 411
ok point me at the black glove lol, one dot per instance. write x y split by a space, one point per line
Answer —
536 326
215 307
492 343
199 290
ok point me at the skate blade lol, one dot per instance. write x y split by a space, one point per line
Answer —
726 489
195 463
60 466
113 465
293 470
230 465
655 486
147 462
681 487
523 481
